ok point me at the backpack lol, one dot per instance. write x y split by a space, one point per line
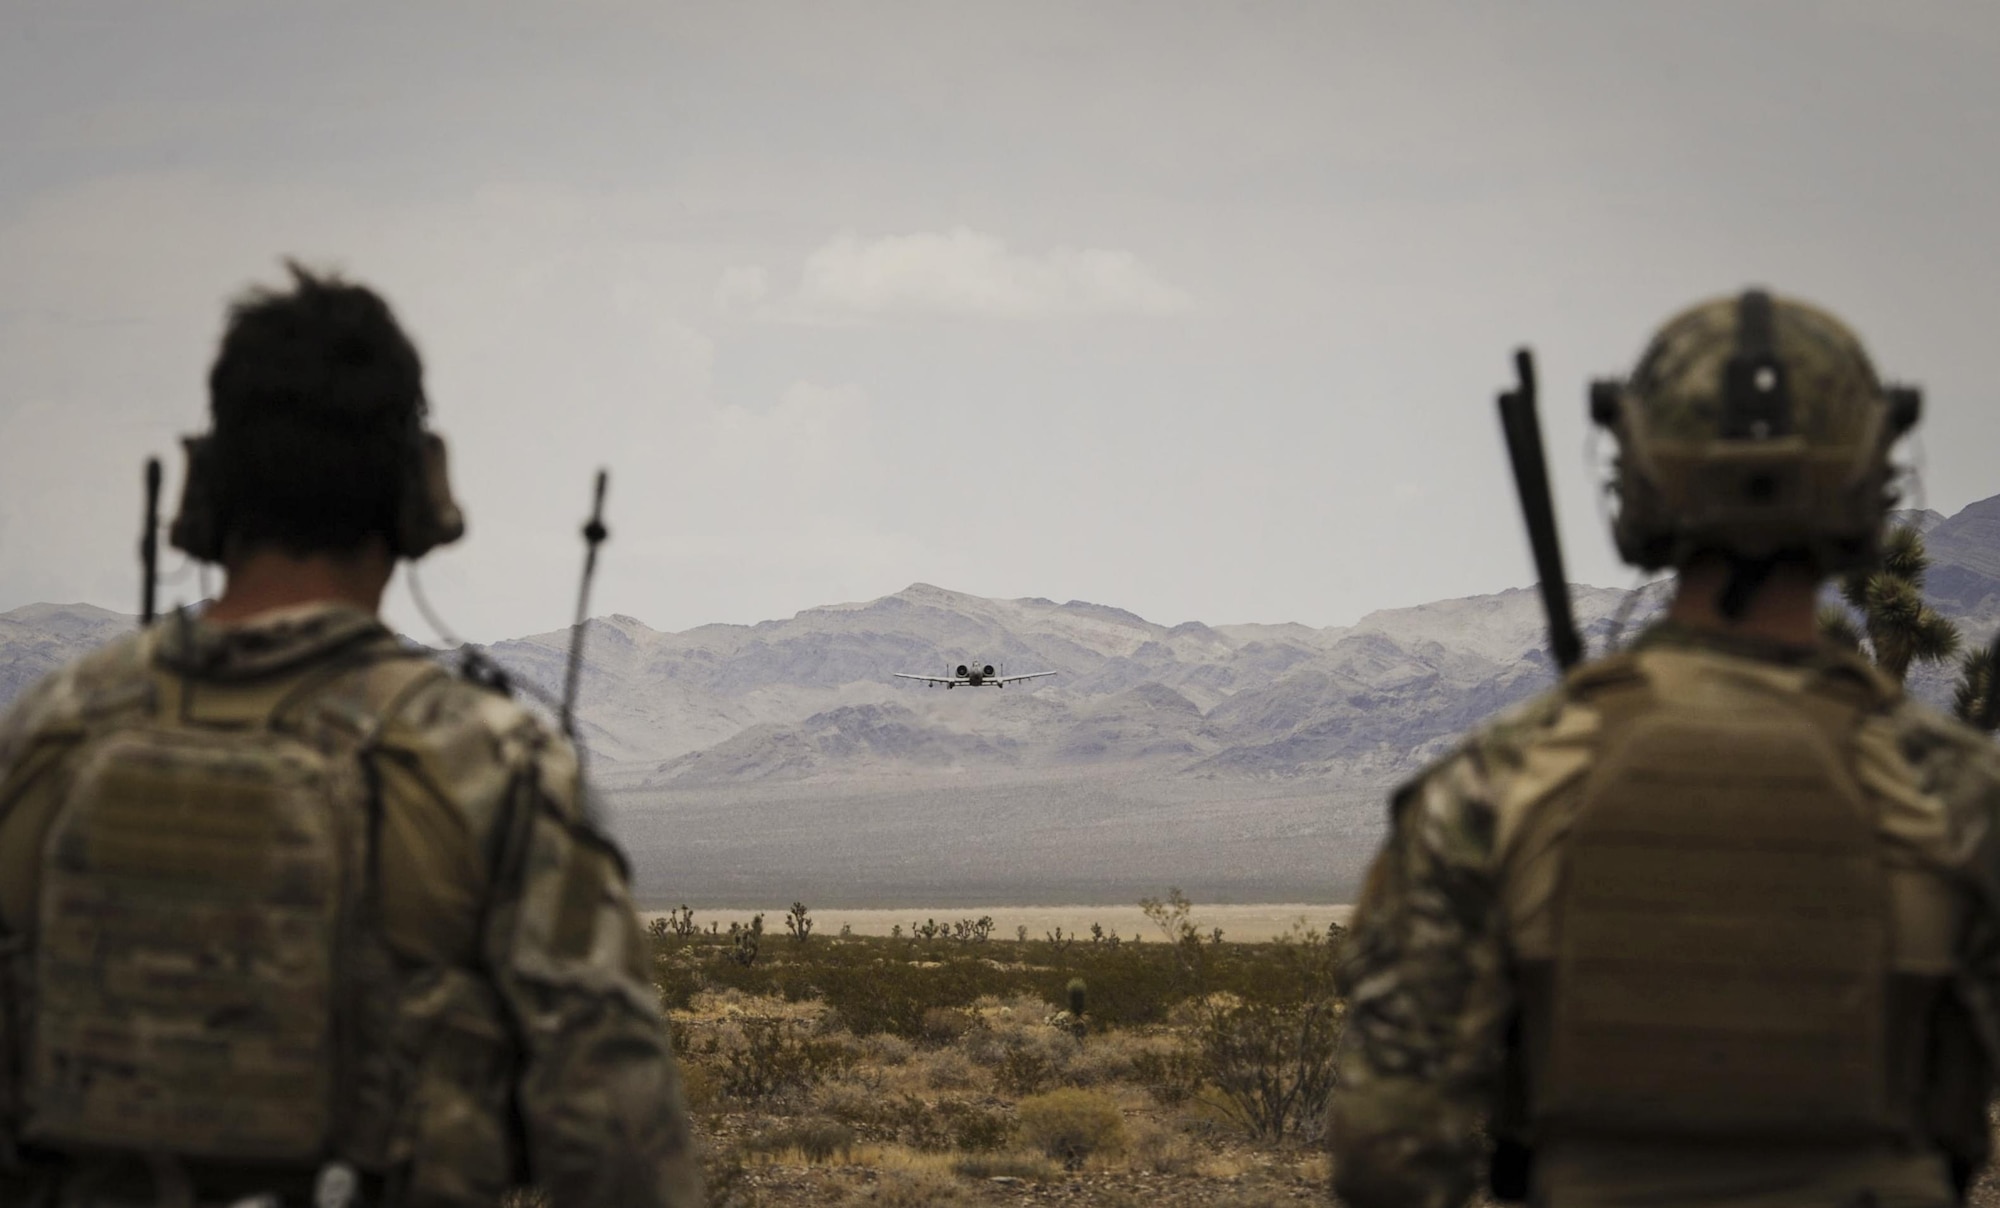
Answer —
187 984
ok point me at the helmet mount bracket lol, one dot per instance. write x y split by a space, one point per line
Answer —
1756 392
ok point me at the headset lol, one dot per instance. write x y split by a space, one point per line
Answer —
427 515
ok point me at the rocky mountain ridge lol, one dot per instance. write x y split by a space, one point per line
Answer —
813 697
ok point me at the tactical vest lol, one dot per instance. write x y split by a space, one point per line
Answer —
206 978
1723 950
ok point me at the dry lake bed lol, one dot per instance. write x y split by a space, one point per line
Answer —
1249 922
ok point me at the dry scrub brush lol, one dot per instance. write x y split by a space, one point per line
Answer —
845 1069
1266 1044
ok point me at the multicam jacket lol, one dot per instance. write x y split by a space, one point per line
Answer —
503 1028
1460 897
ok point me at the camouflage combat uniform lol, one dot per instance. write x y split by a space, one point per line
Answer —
499 1024
1446 1053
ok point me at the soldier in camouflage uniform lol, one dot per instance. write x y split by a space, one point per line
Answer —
290 914
1716 921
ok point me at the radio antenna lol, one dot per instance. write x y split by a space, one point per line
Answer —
1522 427
149 544
594 534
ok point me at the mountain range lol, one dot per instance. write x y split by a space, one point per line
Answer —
727 755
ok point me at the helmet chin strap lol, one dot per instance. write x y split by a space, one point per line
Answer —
1746 576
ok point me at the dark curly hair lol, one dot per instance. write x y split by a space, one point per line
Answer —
316 396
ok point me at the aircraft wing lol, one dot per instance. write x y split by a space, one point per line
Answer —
928 679
1008 679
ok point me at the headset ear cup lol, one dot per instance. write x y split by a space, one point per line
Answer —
197 526
427 515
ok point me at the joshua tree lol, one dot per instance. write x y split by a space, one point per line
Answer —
799 922
1898 627
1974 702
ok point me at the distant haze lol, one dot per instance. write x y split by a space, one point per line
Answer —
1195 308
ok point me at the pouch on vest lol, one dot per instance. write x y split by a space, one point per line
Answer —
456 1126
190 939
1722 957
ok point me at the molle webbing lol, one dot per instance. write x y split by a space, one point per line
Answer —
1722 960
197 923
189 912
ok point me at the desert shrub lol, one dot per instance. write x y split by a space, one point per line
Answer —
989 1046
1246 1006
878 984
949 1069
1024 1071
884 1048
1004 1032
1274 1060
699 1086
1033 1168
1265 1043
1022 1007
1106 1059
1129 984
940 1127
904 1119
726 1179
943 1025
1070 1124
816 1140
846 1102
972 1128
1163 1151
677 977
1170 1077
893 996
768 1057
909 1120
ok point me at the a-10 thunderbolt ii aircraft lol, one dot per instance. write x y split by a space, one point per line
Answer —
964 676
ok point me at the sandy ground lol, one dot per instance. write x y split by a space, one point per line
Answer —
1250 922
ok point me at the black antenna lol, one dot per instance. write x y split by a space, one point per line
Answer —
594 534
149 543
1523 429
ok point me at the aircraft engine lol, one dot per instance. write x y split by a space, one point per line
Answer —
986 670
964 670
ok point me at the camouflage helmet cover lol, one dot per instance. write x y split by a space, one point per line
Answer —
1755 427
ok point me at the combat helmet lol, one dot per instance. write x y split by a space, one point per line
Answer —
1753 427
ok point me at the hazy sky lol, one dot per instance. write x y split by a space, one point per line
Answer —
1196 309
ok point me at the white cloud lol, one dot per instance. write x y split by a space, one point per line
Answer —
966 272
